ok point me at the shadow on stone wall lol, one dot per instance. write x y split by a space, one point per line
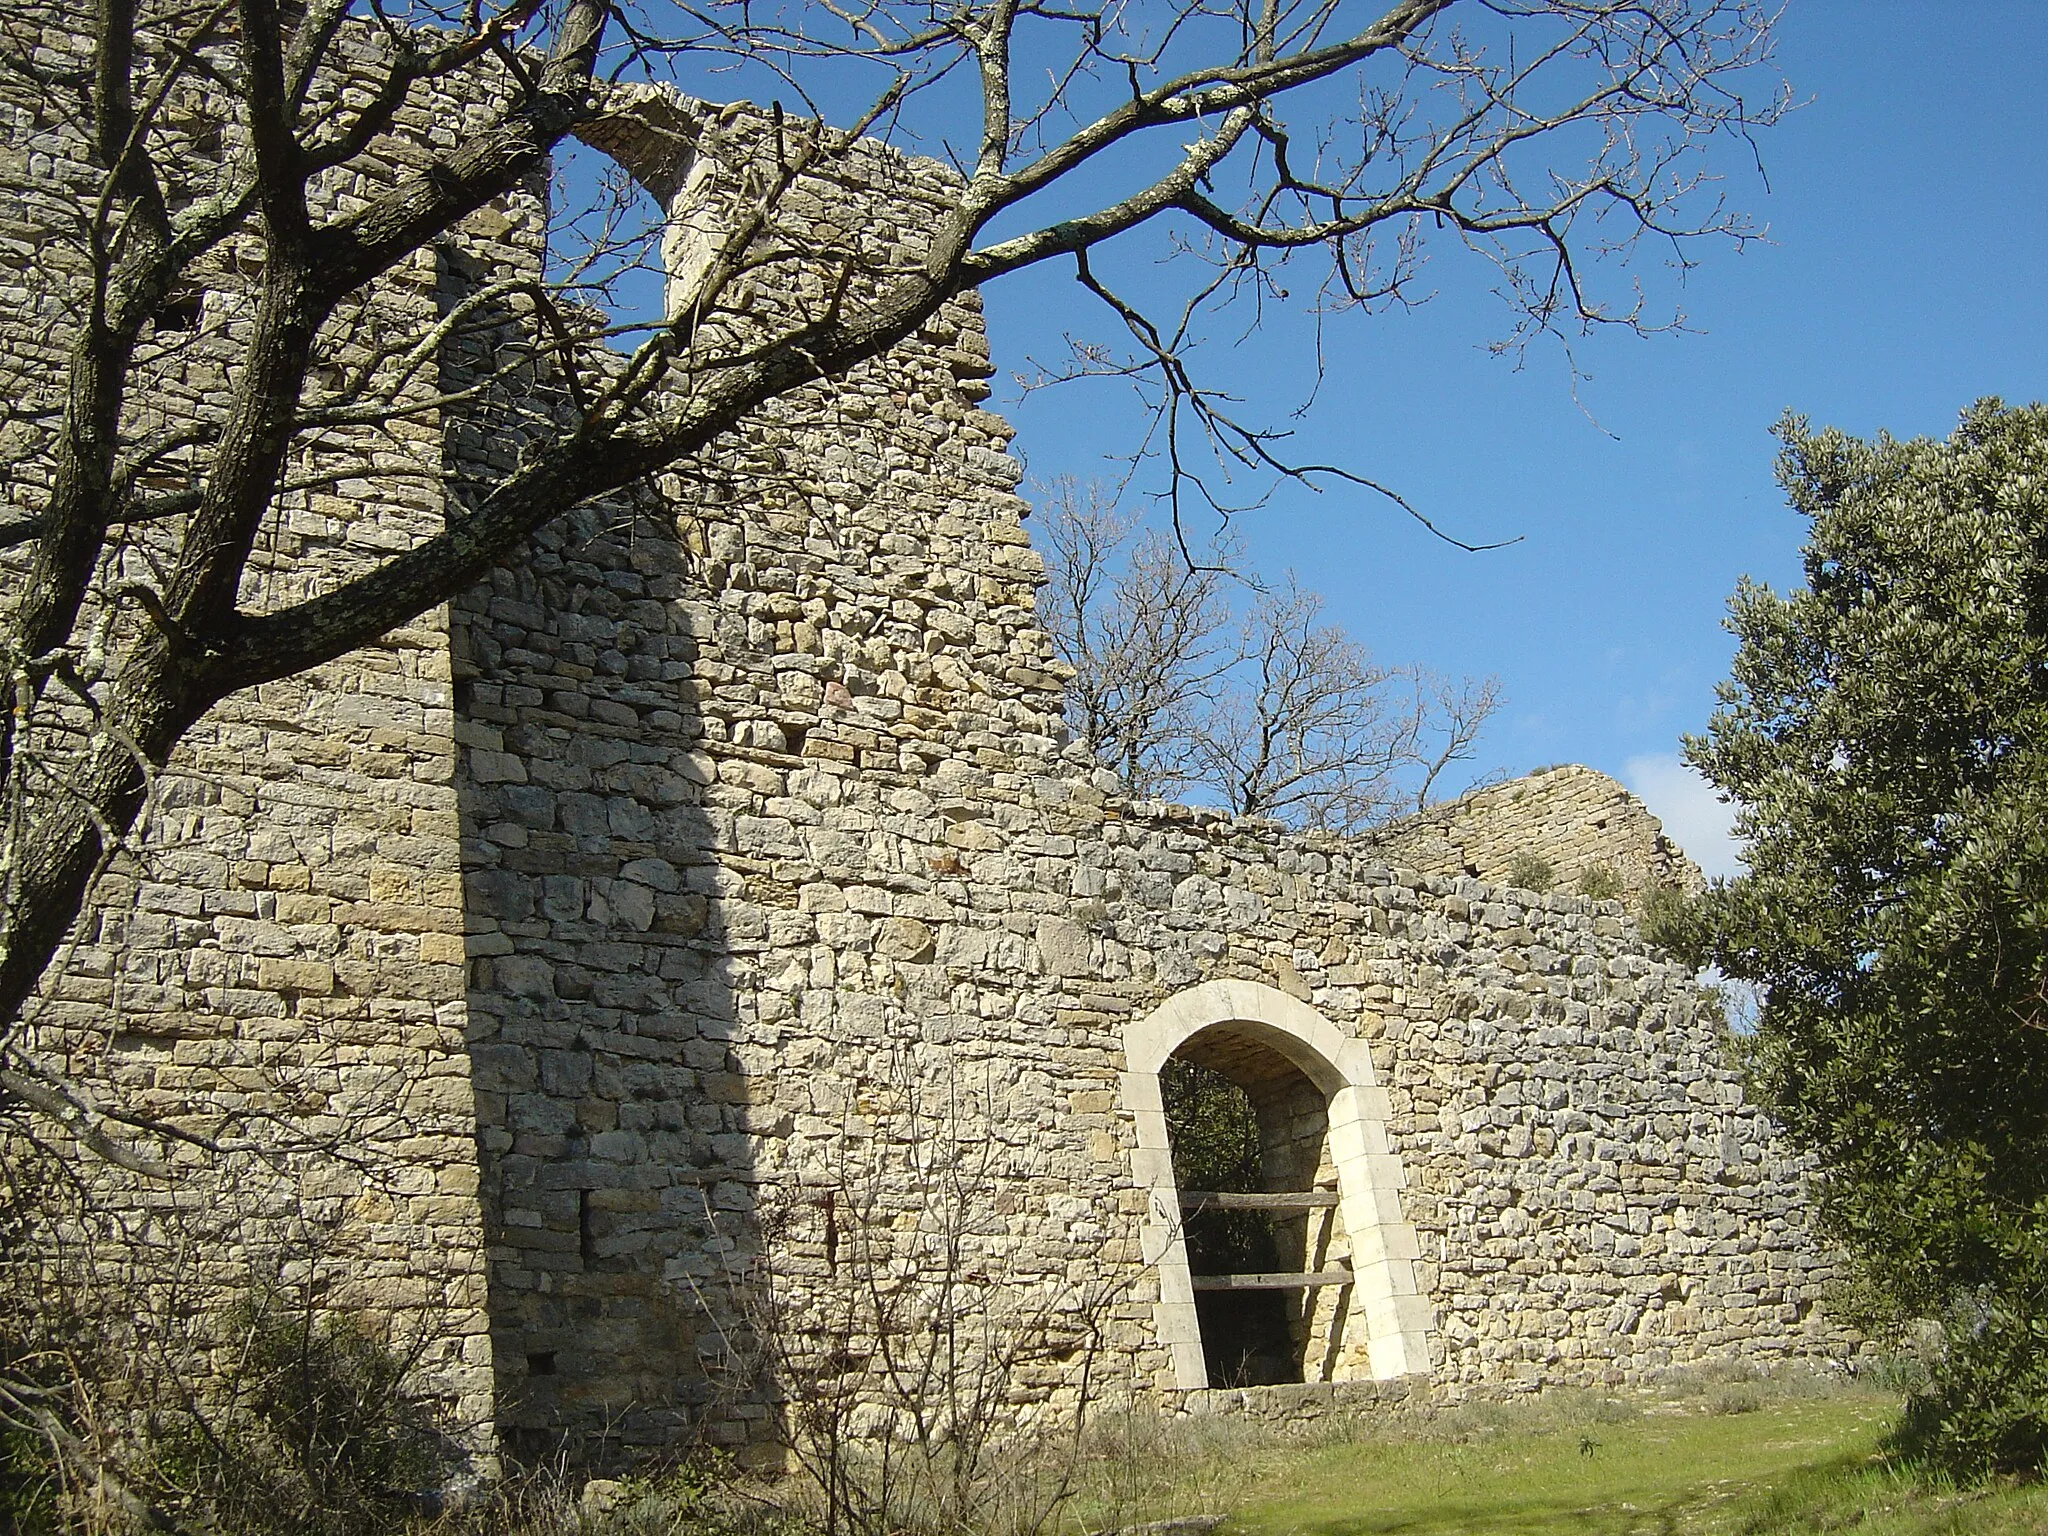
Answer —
611 1107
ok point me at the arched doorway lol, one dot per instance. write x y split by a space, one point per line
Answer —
1249 1134
1321 1121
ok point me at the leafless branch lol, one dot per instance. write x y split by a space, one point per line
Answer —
1273 712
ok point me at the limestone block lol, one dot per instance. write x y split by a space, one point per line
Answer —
904 938
315 978
1064 947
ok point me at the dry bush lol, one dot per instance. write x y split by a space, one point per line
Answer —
140 1391
922 1382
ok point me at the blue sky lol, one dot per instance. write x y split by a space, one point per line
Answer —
1907 214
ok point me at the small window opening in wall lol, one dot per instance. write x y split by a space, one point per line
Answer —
178 313
541 1363
1247 1131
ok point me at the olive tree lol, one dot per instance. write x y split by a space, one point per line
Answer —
1884 736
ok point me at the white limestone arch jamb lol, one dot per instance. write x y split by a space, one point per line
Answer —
1369 1174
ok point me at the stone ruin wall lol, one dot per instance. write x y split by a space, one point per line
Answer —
852 919
744 939
1575 819
666 924
282 967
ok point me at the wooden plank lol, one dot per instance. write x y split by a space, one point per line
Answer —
1297 1281
1220 1200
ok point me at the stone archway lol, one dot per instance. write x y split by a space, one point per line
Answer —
1395 1315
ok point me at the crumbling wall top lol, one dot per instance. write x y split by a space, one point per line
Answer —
1574 818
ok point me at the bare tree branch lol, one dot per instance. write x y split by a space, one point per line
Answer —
1271 712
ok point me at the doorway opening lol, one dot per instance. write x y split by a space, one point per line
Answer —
1326 1177
1248 1133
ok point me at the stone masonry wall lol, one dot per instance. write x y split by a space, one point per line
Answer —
279 965
1595 1200
772 845
657 708
706 918
1574 818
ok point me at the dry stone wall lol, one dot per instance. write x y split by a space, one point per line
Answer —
279 967
794 939
699 954
773 847
1573 820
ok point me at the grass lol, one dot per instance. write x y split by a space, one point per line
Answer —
1796 1457
1726 1457
1871 1501
1741 1459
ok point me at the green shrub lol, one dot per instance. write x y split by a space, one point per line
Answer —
29 1483
1531 872
1985 1406
1599 882
1667 921
692 1497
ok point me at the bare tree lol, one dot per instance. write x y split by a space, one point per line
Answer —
1145 629
1271 713
1310 730
1457 711
243 313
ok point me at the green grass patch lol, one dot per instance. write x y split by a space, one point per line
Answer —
1852 1495
1738 1460
1710 1456
1643 1472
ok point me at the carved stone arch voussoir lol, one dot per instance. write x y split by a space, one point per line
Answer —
1396 1316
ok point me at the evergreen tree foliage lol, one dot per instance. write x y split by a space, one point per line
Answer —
1215 1136
1885 737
